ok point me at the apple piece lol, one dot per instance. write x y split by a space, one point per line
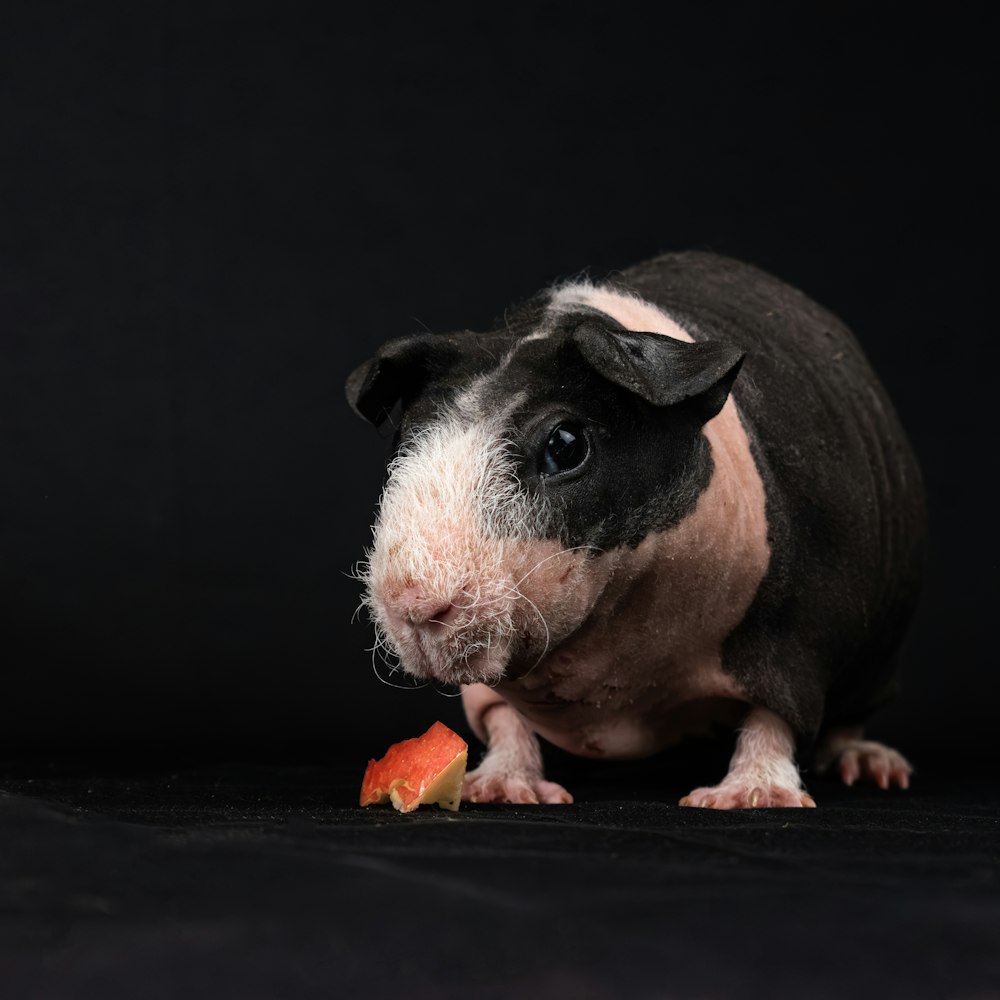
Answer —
425 770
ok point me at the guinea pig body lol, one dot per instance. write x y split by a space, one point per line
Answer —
644 508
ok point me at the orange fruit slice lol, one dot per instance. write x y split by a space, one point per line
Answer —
425 770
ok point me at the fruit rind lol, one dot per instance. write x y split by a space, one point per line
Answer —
425 770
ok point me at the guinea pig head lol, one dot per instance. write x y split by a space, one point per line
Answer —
525 468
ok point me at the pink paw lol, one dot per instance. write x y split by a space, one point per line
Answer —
875 762
748 795
523 789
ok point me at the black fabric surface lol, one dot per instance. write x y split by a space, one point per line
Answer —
264 879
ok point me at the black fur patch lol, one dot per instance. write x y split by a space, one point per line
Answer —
845 501
646 464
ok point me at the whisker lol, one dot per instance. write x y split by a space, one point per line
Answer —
437 621
478 601
561 552
545 625
448 694
398 687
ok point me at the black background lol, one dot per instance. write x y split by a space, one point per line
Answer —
211 213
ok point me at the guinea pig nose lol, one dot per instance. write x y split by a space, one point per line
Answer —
422 611
444 617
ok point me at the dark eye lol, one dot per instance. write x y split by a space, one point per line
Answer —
566 448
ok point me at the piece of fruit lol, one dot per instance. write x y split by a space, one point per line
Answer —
425 770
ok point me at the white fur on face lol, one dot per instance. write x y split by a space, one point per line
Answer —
458 560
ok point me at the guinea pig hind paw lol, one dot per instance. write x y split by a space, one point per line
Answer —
519 789
869 761
844 751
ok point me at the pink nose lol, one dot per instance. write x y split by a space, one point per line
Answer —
431 612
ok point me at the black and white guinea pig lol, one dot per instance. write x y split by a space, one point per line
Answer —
643 508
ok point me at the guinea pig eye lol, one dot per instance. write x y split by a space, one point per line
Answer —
566 449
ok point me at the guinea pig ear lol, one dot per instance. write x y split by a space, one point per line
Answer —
660 369
399 369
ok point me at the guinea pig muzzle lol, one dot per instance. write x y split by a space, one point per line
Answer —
465 639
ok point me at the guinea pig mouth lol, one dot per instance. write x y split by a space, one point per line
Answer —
479 658
476 658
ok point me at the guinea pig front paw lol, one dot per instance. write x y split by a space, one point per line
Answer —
748 794
488 785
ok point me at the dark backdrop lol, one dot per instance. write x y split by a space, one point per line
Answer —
211 214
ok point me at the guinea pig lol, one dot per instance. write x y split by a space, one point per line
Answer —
642 509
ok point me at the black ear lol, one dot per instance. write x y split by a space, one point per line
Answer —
660 369
398 370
